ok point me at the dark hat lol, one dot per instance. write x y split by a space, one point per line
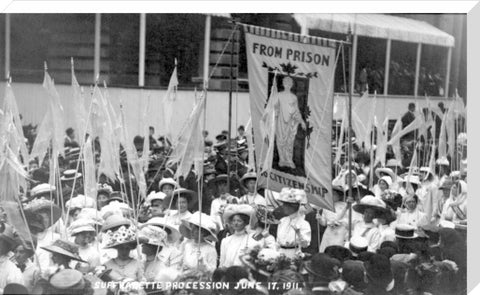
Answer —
323 266
379 271
221 178
353 272
338 252
221 137
14 288
64 248
389 244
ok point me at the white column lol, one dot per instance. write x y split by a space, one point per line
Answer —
206 51
96 56
7 46
417 69
354 62
141 50
447 75
387 67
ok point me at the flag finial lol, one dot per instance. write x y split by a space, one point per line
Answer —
97 78
176 62
45 67
105 84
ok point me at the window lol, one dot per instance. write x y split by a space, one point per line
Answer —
53 38
370 65
171 36
433 61
402 68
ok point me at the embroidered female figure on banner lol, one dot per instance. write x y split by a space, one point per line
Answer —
288 119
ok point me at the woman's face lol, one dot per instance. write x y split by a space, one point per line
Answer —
250 185
149 250
123 252
455 189
382 185
83 238
102 200
238 224
368 215
60 259
182 204
167 189
156 208
195 231
411 204
21 254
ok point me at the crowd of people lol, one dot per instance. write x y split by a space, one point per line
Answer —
406 234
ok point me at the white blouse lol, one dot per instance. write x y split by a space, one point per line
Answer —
191 260
9 273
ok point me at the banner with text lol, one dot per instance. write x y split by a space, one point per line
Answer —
303 69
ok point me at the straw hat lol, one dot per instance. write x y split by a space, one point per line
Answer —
221 178
373 203
70 174
393 163
114 221
385 170
67 279
80 201
414 179
405 231
43 188
91 214
357 245
161 222
43 205
104 188
233 209
122 236
64 248
247 176
387 179
153 235
155 196
201 220
167 180
291 195
264 215
81 225
442 161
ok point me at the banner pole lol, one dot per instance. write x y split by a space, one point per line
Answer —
350 94
230 93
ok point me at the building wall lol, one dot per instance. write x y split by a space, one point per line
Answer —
32 103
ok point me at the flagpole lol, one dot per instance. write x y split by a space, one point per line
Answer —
230 92
350 94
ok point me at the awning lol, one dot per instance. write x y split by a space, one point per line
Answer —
377 26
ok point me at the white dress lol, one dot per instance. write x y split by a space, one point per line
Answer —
175 217
370 232
191 259
45 239
336 232
415 218
287 238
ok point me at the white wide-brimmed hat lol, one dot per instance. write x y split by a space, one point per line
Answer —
41 189
233 209
373 203
70 174
79 202
81 225
155 196
201 220
167 180
161 222
292 195
414 179
385 170
153 235
405 231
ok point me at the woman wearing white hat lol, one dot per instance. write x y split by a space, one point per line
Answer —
237 244
382 188
82 232
153 239
455 208
9 273
371 208
170 254
411 214
251 197
183 199
293 232
198 251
